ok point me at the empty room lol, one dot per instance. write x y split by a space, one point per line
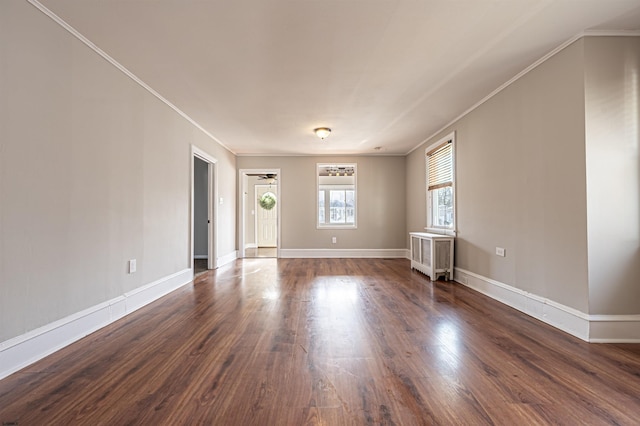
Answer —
350 212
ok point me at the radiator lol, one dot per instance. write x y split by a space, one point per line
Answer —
432 254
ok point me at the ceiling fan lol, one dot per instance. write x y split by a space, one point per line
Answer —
268 176
265 177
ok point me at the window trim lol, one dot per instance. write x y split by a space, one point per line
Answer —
430 227
354 225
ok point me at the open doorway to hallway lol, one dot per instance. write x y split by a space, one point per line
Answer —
203 212
260 213
200 216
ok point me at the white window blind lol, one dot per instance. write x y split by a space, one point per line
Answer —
440 164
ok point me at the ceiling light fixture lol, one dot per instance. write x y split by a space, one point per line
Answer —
322 132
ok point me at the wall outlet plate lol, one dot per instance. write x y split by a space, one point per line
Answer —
132 266
501 251
334 240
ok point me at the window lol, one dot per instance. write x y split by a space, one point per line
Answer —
336 195
441 185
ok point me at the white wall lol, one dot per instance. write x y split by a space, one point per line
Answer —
94 171
520 170
380 202
109 167
549 169
612 84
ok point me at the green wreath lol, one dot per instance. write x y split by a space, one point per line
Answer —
267 201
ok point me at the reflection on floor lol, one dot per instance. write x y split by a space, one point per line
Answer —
199 266
327 341
261 252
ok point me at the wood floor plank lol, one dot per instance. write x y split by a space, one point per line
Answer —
326 341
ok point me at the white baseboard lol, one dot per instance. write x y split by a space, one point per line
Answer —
251 245
614 329
23 350
343 253
200 256
590 328
228 258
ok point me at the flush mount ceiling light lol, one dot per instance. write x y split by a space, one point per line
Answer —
322 132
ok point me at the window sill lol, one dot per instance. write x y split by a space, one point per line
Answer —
443 231
336 227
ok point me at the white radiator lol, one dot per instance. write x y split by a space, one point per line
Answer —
432 254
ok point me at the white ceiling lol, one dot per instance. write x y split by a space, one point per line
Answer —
260 75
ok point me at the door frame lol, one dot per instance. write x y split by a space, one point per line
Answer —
244 205
212 210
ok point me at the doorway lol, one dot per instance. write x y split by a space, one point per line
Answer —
259 213
266 225
203 212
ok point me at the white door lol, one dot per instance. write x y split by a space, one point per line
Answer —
267 220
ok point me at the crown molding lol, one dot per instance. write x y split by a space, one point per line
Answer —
589 33
319 155
611 33
122 68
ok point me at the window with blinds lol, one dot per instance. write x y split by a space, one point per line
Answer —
440 184
440 166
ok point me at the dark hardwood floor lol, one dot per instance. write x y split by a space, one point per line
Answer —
326 341
199 266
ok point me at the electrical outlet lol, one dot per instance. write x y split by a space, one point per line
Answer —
334 240
132 266
500 251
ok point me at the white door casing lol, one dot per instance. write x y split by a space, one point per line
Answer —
246 204
212 213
